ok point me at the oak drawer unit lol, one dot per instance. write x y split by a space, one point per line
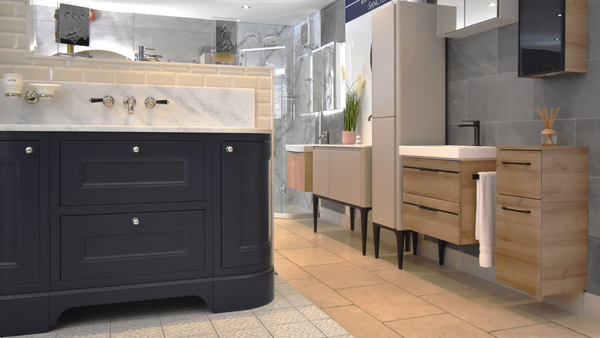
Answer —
542 219
439 197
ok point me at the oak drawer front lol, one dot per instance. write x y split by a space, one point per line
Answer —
518 243
126 172
519 173
107 246
432 178
436 218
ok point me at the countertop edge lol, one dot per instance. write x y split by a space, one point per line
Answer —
118 129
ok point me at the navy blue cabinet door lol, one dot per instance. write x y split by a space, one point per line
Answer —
245 204
19 214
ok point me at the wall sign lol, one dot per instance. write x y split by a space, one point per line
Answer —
356 8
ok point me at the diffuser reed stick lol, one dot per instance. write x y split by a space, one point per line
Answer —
548 135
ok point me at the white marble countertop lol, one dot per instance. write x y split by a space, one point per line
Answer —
141 129
451 152
343 145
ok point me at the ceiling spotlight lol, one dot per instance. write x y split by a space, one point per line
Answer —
492 4
246 7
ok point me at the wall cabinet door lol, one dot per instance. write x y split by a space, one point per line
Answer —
20 228
245 204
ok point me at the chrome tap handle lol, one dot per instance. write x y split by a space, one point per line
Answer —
107 100
151 102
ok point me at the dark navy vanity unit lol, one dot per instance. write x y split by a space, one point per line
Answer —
91 218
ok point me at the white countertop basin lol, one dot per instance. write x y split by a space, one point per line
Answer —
450 152
299 148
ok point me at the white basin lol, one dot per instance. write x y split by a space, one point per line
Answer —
299 148
450 152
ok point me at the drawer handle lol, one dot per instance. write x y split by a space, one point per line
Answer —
135 221
515 210
136 149
229 149
428 208
517 163
29 150
427 169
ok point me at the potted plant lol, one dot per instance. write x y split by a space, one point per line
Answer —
353 97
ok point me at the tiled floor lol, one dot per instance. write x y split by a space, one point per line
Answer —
371 298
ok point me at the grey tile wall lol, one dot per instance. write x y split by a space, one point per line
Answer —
483 84
333 25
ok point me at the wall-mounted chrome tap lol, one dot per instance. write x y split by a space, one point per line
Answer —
476 130
151 102
324 135
107 100
129 102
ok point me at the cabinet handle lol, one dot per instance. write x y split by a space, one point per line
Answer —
136 149
515 210
517 163
229 149
427 169
428 208
29 150
135 221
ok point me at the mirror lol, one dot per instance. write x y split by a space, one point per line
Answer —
326 75
460 18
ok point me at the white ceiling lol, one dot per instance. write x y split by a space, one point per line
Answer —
280 12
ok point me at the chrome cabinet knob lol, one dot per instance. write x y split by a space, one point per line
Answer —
136 149
229 149
135 221
29 150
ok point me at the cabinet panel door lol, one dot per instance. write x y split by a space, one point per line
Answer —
125 172
384 172
19 213
245 204
345 175
120 245
321 172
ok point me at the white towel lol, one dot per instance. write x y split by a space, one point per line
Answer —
485 218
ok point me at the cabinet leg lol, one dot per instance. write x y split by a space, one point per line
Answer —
415 240
351 218
441 246
315 211
376 237
363 229
407 242
400 244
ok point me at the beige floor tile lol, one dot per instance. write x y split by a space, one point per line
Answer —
277 255
358 323
444 325
368 262
307 233
318 293
343 275
278 230
333 245
483 313
289 271
409 282
388 302
291 242
311 256
294 223
580 324
546 330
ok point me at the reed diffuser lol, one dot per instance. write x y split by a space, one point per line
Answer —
548 135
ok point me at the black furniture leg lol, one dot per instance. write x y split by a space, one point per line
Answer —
415 240
315 210
376 237
400 244
352 218
407 242
441 246
364 213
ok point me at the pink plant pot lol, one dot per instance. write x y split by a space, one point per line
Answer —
348 137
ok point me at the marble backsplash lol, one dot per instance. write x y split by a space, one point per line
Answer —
188 106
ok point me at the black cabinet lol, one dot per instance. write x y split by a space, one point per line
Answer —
245 204
22 229
552 37
99 218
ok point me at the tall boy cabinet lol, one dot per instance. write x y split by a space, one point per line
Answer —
409 98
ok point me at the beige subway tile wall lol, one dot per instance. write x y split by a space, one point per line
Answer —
14 58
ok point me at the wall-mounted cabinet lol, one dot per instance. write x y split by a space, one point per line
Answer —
461 18
552 37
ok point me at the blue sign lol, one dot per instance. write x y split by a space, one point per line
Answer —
356 8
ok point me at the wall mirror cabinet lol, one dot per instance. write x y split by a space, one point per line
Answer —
462 18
